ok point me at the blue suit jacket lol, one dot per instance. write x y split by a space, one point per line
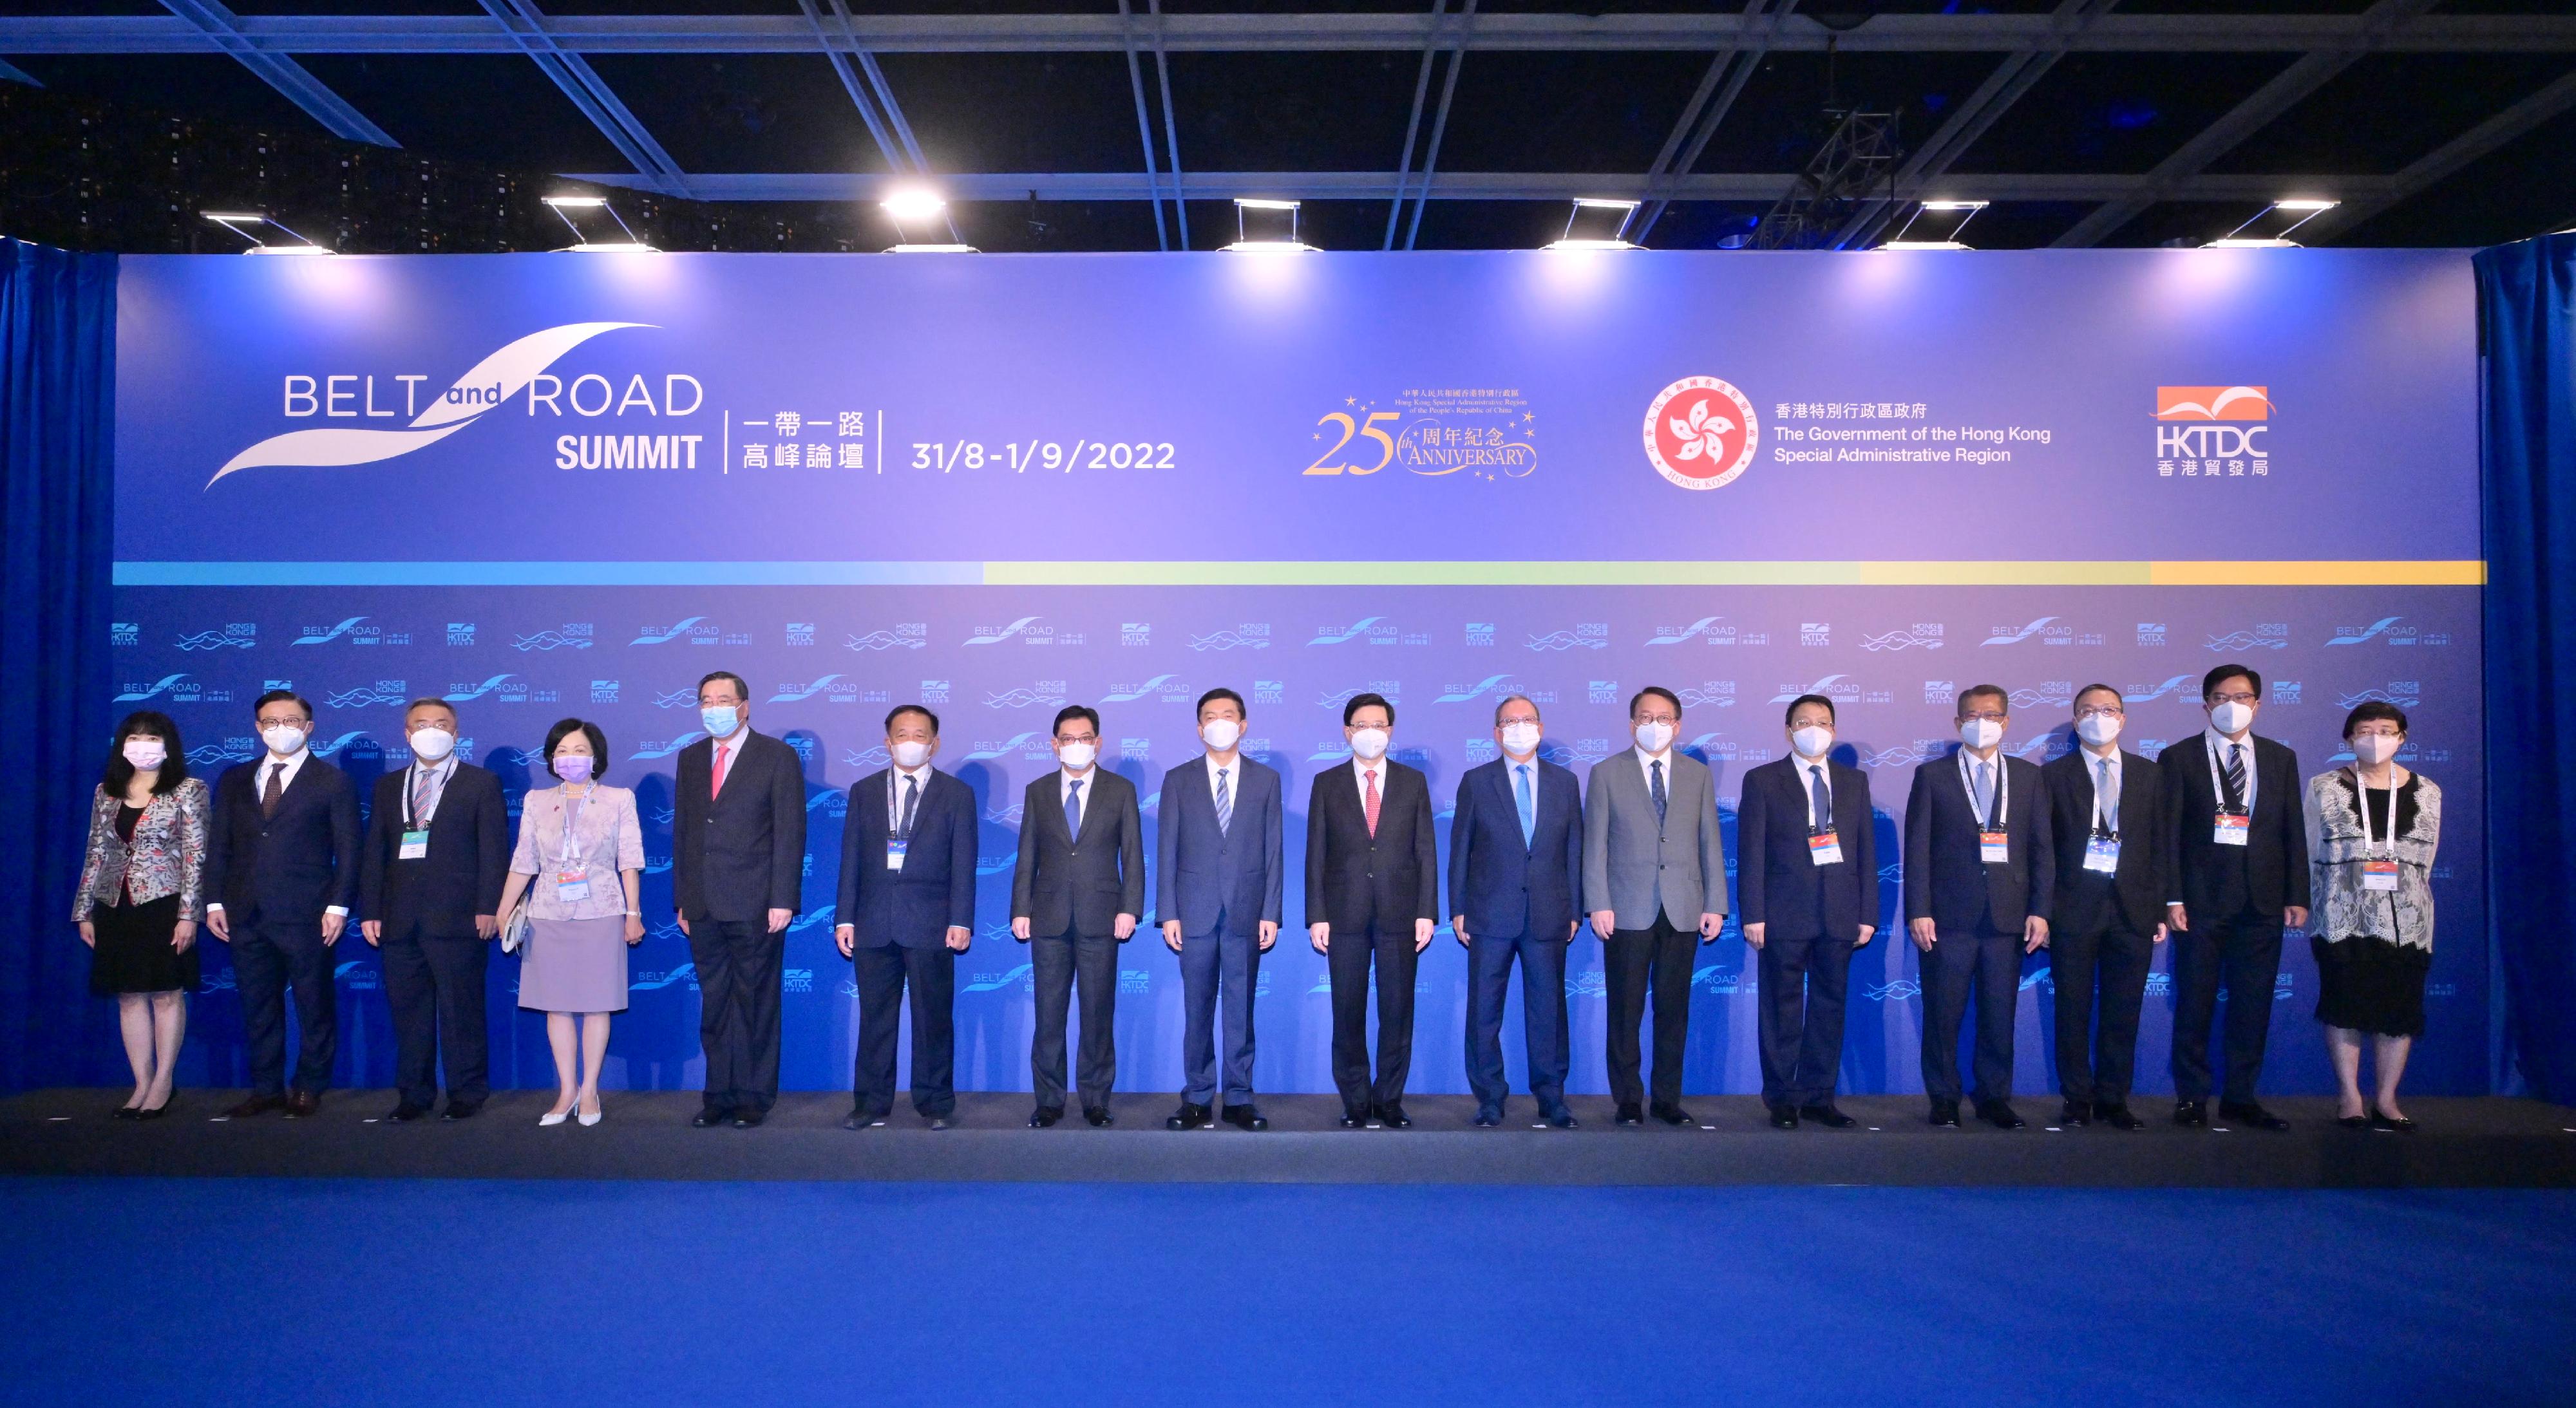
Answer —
1203 876
1946 881
1493 878
935 891
1777 884
288 868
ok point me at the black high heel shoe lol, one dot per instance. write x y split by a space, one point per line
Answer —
2353 1121
129 1112
2397 1124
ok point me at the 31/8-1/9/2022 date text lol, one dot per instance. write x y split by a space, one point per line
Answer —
1021 456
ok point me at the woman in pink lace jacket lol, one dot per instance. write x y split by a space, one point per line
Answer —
140 899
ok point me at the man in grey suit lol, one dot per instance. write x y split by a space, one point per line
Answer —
1075 895
1653 860
1217 888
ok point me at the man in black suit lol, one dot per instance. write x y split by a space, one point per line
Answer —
1372 892
1515 892
1076 893
1806 845
1980 874
281 864
2236 873
907 909
2106 817
436 856
737 878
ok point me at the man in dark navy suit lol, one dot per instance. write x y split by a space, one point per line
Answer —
1980 872
1807 890
1372 901
1077 891
2106 806
282 867
906 910
1515 893
437 855
1217 889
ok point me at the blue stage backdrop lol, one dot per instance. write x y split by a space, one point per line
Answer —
552 485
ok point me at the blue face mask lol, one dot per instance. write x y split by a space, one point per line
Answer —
720 719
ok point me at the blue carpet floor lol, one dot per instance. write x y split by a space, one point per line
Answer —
417 1292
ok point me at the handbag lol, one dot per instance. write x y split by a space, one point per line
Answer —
515 927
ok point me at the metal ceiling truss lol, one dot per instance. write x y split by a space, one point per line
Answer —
222 28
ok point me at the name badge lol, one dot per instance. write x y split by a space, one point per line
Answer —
2102 853
894 853
1994 847
1825 848
2379 875
2231 829
572 885
415 846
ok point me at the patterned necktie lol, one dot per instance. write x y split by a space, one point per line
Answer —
1529 808
2234 801
716 775
1985 795
1656 770
911 798
274 792
1073 809
420 795
2109 792
1224 802
1821 796
1368 799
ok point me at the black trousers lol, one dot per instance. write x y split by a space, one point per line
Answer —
1803 982
2098 970
2243 953
1348 960
269 959
434 984
738 975
1057 962
1543 1029
1633 962
1987 963
883 974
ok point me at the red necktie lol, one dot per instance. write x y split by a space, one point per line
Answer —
715 779
1368 799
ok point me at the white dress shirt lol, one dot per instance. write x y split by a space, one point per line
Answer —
894 795
1646 769
1065 782
1360 770
259 786
2107 808
1233 774
1807 783
2219 743
440 774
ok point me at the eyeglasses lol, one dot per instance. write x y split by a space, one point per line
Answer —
1985 714
2239 697
2102 711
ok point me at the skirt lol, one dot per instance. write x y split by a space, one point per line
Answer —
134 953
2368 984
574 965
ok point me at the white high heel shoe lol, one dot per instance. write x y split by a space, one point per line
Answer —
555 1117
589 1117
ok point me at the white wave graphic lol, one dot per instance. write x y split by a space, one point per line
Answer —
511 368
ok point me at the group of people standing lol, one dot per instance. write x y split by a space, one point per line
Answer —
2099 856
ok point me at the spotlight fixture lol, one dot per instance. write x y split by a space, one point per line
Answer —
1595 223
1935 224
1266 227
914 209
591 233
2270 227
265 235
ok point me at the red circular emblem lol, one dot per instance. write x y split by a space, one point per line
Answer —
1700 433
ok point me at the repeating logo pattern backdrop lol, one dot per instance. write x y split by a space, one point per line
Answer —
543 486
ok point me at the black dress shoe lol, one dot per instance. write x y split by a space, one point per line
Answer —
2075 1112
1245 1117
1354 1119
1999 1114
1828 1115
406 1112
1394 1117
1488 1116
709 1116
1098 1116
1189 1116
1945 1113
255 1105
302 1104
461 1110
1628 1113
2251 1115
2118 1117
749 1117
129 1112
1561 1118
1673 1115
1784 1117
2191 1112
1046 1116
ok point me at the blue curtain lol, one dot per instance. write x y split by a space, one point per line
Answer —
2527 323
57 394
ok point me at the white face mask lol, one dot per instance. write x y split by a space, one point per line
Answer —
2375 748
1077 756
1980 733
2232 718
2098 729
1369 743
1221 734
1654 737
910 753
283 739
1520 738
146 753
432 744
1811 741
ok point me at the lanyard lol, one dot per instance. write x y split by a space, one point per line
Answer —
572 813
2003 790
1807 785
2361 803
2218 781
411 786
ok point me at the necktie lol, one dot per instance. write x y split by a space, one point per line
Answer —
1529 807
1985 795
275 791
420 795
1368 799
911 798
1073 809
2234 801
1224 802
2109 792
716 776
1656 770
1822 796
